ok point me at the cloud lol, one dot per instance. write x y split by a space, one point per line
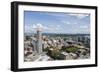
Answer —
80 16
34 27
28 29
84 27
58 26
68 23
65 22
38 25
58 29
58 14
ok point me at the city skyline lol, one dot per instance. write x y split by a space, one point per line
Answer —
54 22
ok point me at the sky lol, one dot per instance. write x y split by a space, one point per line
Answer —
57 22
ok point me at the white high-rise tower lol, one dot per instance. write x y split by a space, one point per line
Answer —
39 29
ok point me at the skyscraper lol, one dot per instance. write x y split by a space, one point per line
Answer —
39 28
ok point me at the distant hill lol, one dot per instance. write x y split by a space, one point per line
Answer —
60 34
57 34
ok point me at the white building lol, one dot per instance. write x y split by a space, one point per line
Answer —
39 28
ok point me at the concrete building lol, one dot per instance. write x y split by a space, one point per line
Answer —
39 28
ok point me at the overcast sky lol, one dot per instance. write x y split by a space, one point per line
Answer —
54 22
